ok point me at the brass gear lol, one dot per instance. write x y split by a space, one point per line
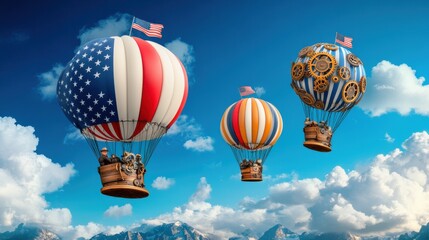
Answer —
319 104
331 47
318 44
322 64
310 53
297 71
353 60
335 79
362 84
350 91
307 73
321 85
304 51
307 98
344 73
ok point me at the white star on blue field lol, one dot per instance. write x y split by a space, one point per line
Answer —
375 181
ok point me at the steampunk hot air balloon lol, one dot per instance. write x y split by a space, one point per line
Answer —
251 127
330 81
123 94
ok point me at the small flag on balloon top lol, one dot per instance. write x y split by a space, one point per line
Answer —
343 40
246 90
150 29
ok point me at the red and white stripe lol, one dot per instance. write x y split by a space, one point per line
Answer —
151 85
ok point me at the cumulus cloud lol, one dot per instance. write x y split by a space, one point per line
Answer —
259 91
200 144
185 52
26 177
395 88
191 131
387 196
119 211
48 81
73 135
116 25
185 126
162 183
389 138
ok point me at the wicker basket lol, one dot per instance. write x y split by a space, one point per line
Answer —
251 174
317 138
117 183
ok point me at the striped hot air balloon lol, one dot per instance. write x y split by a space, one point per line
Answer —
123 93
330 80
251 127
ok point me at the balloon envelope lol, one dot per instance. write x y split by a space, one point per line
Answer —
113 87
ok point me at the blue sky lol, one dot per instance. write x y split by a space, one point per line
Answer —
224 45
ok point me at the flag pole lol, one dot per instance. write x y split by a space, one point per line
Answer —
131 28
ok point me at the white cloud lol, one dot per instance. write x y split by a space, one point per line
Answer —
259 91
387 196
26 177
48 81
73 135
162 183
116 25
185 52
192 132
119 211
200 144
394 88
389 138
185 126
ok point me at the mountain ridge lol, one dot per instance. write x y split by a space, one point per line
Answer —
182 231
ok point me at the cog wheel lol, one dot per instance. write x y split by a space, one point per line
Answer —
344 73
350 91
335 79
304 51
353 60
362 84
297 71
320 85
331 47
307 98
318 44
310 53
319 104
322 64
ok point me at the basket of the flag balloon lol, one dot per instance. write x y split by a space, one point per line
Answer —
318 137
123 179
251 171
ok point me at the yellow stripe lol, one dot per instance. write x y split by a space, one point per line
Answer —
255 121
268 123
241 121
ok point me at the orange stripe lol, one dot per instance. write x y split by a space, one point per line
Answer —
268 123
242 123
255 120
223 130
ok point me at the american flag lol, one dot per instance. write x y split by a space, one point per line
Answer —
150 29
246 90
343 40
83 92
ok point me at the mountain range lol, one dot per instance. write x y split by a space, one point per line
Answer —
182 231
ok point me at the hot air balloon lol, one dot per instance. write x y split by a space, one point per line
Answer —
330 81
123 94
251 127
